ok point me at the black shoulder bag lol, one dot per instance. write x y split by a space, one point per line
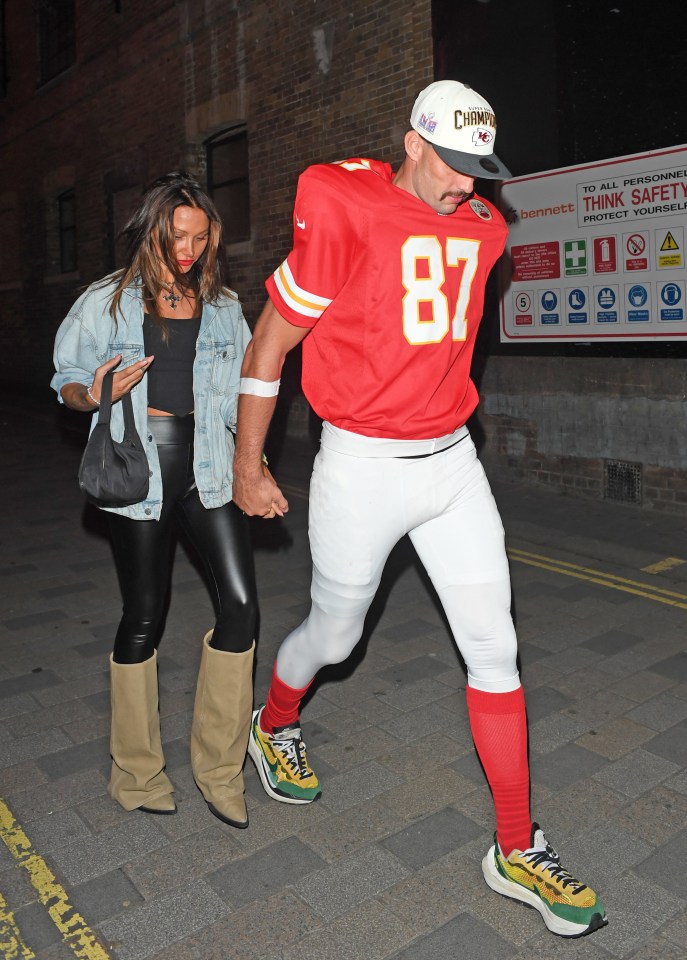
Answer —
114 474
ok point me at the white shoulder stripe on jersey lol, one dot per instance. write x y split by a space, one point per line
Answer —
354 164
301 301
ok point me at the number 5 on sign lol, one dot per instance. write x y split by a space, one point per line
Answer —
424 285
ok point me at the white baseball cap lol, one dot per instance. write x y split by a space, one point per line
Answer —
461 127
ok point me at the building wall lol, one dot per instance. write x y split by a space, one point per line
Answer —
151 82
591 426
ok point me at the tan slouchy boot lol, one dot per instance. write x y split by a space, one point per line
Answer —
219 735
138 780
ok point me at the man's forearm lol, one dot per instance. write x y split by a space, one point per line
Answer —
254 418
262 363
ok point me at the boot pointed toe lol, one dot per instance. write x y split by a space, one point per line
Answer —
163 805
230 812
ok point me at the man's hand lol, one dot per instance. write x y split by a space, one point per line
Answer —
257 494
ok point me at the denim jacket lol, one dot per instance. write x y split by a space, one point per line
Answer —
88 337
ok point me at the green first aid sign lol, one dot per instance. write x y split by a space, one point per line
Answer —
575 257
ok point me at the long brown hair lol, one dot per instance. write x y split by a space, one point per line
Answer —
149 238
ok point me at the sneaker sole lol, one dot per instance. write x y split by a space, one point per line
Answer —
258 758
562 928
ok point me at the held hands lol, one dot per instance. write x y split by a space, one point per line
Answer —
258 495
123 381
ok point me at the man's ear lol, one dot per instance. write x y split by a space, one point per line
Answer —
414 144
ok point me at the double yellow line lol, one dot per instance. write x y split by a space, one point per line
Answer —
74 930
579 572
610 580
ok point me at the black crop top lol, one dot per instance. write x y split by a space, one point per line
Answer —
170 376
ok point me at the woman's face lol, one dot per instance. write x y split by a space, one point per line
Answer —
191 235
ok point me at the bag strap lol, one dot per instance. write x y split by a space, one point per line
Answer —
105 399
106 406
130 431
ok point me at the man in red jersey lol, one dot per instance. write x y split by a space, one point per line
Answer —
385 287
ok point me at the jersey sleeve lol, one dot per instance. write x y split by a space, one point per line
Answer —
303 286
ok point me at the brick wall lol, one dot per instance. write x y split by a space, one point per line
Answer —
150 84
562 421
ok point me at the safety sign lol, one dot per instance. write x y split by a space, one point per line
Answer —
523 309
606 304
636 251
605 255
670 246
549 307
577 306
597 251
637 304
672 302
575 257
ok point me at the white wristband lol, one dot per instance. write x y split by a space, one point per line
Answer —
259 388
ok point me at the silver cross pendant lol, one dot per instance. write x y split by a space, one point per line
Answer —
172 299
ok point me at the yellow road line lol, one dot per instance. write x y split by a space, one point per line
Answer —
599 573
74 930
12 946
663 565
636 587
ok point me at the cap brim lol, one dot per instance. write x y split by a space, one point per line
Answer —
488 168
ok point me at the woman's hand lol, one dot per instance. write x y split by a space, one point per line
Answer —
78 397
123 381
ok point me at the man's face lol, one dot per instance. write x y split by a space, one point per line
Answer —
437 184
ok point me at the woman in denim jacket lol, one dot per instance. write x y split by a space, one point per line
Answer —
174 336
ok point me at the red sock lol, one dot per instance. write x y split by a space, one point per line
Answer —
499 729
282 706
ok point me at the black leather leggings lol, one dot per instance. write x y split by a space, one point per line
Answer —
143 552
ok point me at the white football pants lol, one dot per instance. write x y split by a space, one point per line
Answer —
360 506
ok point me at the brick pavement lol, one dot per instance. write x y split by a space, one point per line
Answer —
387 863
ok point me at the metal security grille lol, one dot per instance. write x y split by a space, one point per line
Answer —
623 481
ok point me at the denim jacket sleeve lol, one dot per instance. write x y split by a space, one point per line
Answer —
220 348
81 341
229 407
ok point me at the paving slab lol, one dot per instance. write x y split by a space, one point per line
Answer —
152 925
466 936
337 889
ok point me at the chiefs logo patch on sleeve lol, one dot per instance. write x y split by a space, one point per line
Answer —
481 209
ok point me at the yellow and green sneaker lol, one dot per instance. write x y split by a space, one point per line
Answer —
535 876
282 764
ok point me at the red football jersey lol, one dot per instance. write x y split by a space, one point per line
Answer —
394 294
